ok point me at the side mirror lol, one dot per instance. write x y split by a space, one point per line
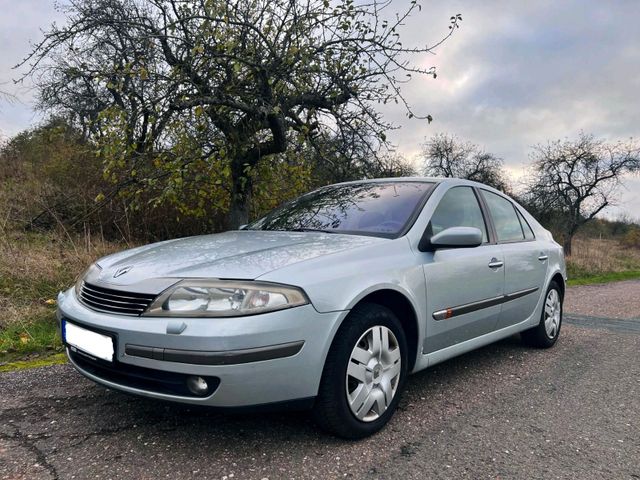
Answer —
453 237
243 226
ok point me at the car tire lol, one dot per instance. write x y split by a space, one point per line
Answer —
362 367
545 334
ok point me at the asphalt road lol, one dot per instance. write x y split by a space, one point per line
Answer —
504 411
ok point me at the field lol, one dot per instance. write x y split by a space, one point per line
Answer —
602 260
34 267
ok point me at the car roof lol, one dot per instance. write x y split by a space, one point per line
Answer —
447 181
444 180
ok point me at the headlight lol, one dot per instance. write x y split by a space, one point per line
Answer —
219 298
93 269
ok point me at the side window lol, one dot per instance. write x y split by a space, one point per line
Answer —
505 218
458 208
528 233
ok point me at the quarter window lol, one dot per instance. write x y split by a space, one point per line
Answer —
458 208
528 233
505 218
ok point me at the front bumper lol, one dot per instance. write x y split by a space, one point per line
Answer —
229 349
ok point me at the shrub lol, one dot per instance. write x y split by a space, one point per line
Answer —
631 239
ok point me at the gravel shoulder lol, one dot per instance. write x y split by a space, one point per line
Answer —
610 300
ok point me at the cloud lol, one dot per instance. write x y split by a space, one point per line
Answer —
514 75
517 74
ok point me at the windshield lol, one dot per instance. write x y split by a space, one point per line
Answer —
382 209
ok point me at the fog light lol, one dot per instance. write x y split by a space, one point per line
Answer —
197 385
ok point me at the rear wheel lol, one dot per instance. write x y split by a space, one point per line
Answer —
364 373
545 334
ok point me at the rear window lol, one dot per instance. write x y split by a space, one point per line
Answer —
505 218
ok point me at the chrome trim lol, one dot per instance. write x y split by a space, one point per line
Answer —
451 312
96 289
96 297
108 300
495 263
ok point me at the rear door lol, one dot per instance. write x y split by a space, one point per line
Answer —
525 260
464 285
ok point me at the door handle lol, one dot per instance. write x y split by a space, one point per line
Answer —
495 263
543 257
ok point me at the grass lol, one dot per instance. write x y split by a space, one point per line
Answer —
34 267
601 261
34 334
604 278
55 359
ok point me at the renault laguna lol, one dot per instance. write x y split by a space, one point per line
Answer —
328 302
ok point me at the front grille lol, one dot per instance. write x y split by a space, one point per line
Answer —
114 301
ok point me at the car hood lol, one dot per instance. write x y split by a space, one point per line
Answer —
242 254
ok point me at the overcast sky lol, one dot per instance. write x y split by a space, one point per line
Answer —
514 75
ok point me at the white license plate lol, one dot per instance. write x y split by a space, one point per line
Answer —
93 343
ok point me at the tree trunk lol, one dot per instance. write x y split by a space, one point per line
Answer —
240 199
566 244
238 213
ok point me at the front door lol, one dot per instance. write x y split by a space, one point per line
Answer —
465 286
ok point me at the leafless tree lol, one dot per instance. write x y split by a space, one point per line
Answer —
7 97
578 179
447 156
241 79
392 165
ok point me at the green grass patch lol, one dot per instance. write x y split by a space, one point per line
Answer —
35 335
587 279
55 359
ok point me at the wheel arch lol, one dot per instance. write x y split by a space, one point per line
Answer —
559 279
404 309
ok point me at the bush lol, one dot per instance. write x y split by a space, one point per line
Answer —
631 239
52 178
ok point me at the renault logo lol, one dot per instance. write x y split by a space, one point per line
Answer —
122 271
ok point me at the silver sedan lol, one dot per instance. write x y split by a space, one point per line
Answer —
328 302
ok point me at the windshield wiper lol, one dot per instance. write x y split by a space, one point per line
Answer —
304 229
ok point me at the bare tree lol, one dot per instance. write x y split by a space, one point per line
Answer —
447 156
345 157
391 165
7 97
168 84
578 179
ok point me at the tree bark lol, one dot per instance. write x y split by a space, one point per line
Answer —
566 244
238 213
239 209
240 197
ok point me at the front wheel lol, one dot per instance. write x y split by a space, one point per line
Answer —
545 334
364 373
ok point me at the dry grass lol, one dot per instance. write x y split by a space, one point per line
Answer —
596 260
34 267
